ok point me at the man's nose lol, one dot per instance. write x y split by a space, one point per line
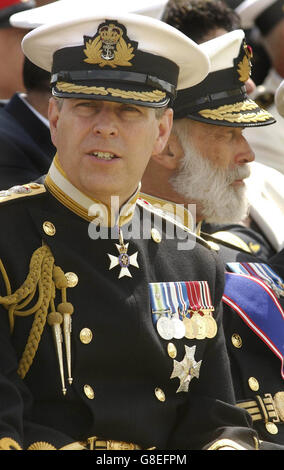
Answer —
245 153
105 124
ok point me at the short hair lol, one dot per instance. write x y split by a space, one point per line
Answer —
197 18
35 78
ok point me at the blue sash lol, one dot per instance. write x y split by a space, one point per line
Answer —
256 303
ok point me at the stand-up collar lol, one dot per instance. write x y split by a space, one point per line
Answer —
88 208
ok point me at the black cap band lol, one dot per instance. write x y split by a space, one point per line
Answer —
163 73
184 108
113 76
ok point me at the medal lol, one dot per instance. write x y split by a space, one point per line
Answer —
161 311
189 331
199 326
179 328
210 326
182 309
172 293
123 260
186 369
165 327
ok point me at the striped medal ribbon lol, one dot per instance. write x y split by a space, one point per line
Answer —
182 309
260 271
199 321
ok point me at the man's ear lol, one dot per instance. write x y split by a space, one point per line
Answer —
165 123
53 115
170 156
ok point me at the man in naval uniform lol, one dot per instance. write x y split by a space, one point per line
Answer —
207 145
145 364
206 20
265 185
207 137
26 147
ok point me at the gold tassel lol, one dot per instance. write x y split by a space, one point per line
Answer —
55 319
66 309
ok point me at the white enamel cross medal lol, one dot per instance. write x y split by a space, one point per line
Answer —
123 259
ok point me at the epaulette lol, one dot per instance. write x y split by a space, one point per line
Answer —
167 216
19 191
177 211
231 240
263 97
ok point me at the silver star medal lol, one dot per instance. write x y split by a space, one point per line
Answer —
123 259
186 369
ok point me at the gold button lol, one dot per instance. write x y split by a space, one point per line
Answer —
48 228
72 279
160 394
237 340
89 392
156 235
86 336
253 384
271 428
172 350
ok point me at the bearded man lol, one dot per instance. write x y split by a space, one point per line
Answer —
207 157
205 163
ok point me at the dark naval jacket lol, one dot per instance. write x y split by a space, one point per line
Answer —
26 148
256 370
237 242
123 387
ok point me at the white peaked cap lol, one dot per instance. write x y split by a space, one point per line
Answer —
221 98
223 50
72 9
161 54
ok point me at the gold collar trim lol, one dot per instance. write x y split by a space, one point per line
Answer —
85 207
178 211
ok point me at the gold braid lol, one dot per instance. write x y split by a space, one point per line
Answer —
39 277
46 288
45 278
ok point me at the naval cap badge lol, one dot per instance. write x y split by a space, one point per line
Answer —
244 66
110 46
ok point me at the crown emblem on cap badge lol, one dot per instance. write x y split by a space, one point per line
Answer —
109 46
244 66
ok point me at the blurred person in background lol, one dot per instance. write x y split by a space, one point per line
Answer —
11 55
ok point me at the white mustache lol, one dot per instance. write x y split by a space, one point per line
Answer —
239 173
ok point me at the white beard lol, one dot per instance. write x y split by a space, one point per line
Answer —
200 182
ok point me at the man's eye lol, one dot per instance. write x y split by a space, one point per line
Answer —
84 105
85 108
131 109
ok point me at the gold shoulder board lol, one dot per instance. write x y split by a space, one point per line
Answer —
232 239
16 192
145 204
